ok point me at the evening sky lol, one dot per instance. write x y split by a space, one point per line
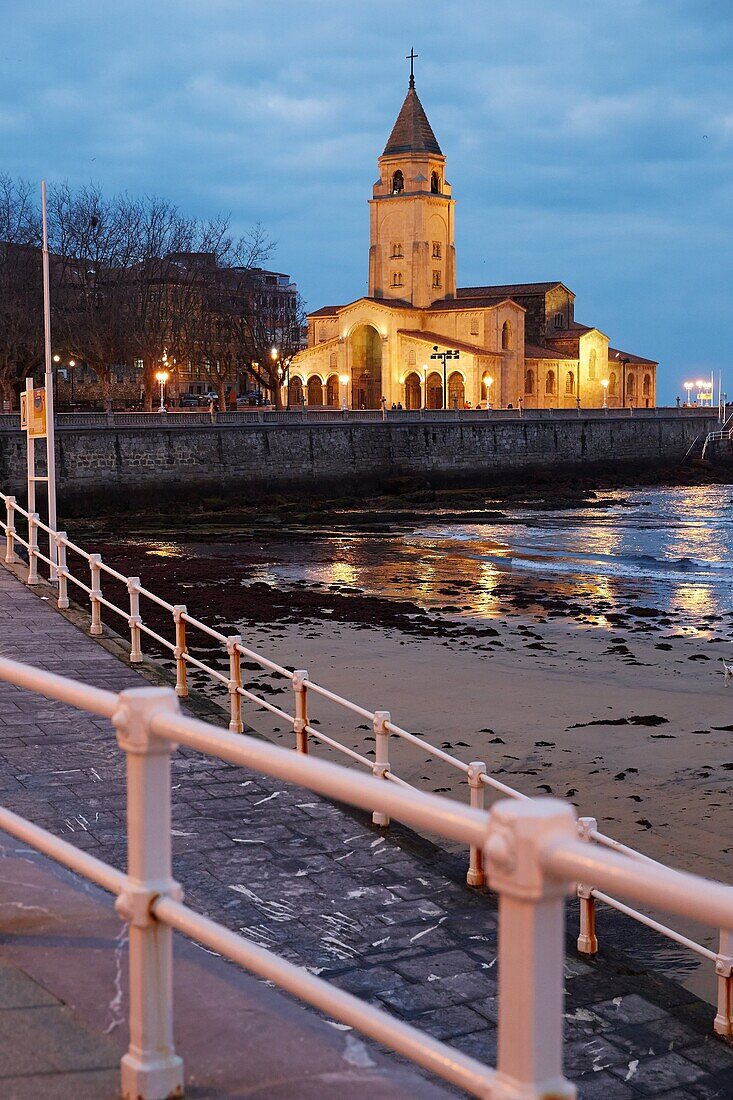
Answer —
589 142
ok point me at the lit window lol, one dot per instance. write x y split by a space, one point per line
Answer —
570 383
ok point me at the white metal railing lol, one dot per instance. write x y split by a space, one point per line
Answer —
531 848
476 775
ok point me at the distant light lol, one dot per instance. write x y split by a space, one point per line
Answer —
57 358
72 362
604 383
274 353
344 379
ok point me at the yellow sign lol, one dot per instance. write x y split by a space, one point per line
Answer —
33 420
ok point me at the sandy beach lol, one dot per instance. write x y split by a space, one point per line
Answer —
562 687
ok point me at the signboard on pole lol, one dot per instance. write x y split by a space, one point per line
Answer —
33 412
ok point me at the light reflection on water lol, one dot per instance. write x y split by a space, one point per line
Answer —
668 548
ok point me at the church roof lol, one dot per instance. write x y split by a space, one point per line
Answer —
536 351
506 290
614 353
443 304
446 341
412 133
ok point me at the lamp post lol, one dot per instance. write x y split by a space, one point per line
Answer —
688 387
344 380
162 377
488 382
451 353
604 383
274 356
624 363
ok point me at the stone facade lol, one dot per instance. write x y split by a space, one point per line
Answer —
517 345
139 463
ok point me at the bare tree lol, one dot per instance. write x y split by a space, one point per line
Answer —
21 294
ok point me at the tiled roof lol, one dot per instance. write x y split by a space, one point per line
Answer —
506 290
326 311
536 351
472 303
614 353
445 341
412 133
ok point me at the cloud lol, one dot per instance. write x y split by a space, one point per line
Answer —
591 142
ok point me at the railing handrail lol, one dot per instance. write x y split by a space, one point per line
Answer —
476 773
534 857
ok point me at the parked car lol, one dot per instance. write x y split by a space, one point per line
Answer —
188 400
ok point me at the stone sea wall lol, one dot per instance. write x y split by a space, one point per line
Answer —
141 463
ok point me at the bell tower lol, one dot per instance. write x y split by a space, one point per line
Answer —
412 254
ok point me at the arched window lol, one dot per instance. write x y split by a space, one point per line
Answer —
474 324
411 358
435 183
550 382
333 360
413 391
396 250
296 390
612 383
456 391
397 278
647 385
506 336
529 382
398 182
592 364
315 390
332 391
434 395
630 385
570 383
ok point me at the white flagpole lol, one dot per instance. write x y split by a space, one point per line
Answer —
50 434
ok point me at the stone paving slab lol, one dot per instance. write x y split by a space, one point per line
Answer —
385 915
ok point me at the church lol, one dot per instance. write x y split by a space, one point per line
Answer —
515 345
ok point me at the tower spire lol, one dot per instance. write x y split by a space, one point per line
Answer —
411 58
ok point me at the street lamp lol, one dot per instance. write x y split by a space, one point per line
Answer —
162 376
688 387
488 382
604 383
344 380
445 355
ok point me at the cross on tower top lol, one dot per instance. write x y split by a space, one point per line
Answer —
411 58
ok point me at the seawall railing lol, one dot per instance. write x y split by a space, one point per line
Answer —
316 416
177 648
531 848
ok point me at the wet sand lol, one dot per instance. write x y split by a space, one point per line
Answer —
567 689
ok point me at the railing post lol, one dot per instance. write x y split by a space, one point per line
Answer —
151 1068
235 682
531 947
380 768
134 620
180 651
587 940
32 577
61 571
724 969
95 561
477 768
10 530
300 682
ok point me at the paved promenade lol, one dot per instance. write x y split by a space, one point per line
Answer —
384 916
